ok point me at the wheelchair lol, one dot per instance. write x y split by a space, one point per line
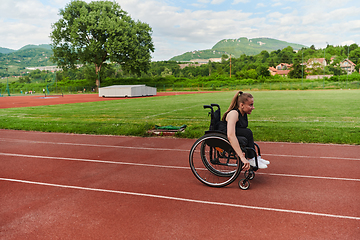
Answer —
212 159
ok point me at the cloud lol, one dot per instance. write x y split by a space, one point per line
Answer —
201 29
240 1
25 22
347 43
276 4
181 26
217 1
26 10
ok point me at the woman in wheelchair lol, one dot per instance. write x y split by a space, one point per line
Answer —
234 123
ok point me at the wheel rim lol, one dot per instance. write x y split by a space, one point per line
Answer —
215 175
244 184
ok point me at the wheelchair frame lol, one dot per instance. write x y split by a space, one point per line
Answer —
212 159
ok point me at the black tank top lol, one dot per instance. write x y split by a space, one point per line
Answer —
241 123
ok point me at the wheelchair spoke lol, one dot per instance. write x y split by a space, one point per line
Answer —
222 166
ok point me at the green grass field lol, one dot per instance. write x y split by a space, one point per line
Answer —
331 116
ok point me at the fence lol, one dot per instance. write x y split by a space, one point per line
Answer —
261 86
43 90
317 85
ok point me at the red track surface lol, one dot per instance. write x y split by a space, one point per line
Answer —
40 100
68 186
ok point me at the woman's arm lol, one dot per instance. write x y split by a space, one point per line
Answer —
231 118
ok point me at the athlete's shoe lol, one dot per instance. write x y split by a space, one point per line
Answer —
260 164
263 160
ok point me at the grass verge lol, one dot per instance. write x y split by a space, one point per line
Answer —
331 116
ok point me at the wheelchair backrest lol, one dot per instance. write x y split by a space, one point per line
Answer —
215 116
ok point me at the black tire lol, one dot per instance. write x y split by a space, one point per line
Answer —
249 174
244 184
215 157
213 161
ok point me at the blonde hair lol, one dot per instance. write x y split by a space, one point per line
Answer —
240 97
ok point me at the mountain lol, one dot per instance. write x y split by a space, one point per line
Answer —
44 46
15 61
6 50
203 54
237 47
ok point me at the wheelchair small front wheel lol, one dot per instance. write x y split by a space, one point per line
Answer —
244 184
250 174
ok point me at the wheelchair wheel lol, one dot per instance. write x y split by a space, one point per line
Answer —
213 161
213 157
244 184
249 174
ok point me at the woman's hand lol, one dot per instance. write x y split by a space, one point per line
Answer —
246 163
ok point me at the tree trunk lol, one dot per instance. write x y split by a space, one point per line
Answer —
97 72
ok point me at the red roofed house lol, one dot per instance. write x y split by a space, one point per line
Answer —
282 69
316 62
348 66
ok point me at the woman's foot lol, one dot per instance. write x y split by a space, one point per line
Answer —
260 164
263 160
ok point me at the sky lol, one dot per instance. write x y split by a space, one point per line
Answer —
180 26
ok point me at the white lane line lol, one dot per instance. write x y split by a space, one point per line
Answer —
103 146
314 177
183 199
93 161
299 156
164 166
175 110
163 149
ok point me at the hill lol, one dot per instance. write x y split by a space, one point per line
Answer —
237 47
15 61
44 46
203 54
6 50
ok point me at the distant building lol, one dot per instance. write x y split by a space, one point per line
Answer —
50 68
316 63
348 66
318 76
198 62
45 68
282 69
283 66
184 65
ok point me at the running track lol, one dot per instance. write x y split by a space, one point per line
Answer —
68 186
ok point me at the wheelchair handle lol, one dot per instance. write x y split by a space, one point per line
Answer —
215 105
212 110
208 106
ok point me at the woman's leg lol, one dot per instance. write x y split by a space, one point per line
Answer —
247 133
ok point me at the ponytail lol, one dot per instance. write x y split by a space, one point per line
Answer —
240 97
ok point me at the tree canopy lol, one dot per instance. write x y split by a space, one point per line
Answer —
99 32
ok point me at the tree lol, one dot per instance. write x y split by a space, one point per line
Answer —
100 32
357 67
263 70
224 57
24 79
297 70
263 56
355 55
286 55
166 72
353 47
